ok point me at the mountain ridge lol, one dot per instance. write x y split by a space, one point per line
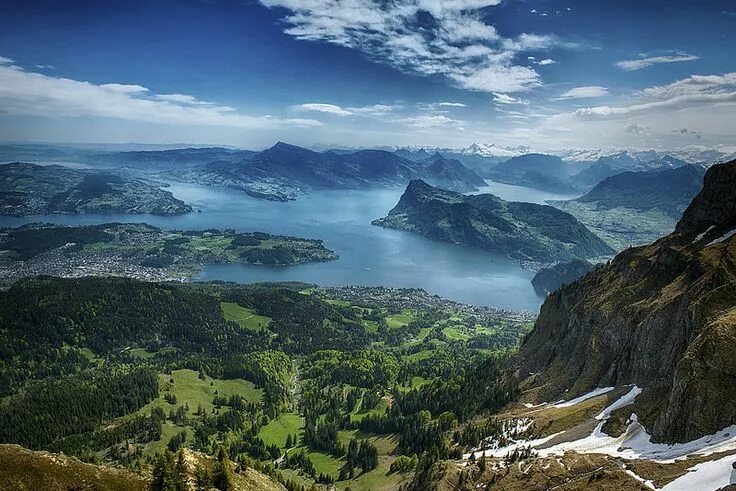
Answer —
659 316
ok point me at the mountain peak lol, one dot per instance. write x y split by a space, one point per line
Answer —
716 202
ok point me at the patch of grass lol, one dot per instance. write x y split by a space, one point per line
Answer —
276 431
398 320
190 389
376 411
376 480
141 353
419 355
456 333
243 316
419 381
325 464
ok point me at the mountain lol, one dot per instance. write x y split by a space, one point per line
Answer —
636 207
24 469
605 167
660 316
669 190
450 174
523 231
285 171
535 170
30 189
550 279
691 154
166 159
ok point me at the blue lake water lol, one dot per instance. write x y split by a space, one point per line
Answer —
369 255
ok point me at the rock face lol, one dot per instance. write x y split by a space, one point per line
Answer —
523 231
550 279
716 203
662 316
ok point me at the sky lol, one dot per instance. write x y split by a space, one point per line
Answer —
545 74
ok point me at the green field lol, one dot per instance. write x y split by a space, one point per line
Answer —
457 333
276 431
399 320
419 355
190 389
243 316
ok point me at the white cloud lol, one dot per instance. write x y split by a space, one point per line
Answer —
322 108
427 121
451 104
35 94
501 79
501 98
585 92
6 61
374 110
427 37
699 107
635 129
644 62
699 90
546 61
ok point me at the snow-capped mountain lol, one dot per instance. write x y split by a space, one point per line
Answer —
692 154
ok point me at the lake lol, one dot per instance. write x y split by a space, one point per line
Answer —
369 255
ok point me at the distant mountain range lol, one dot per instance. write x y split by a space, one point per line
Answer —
523 231
30 189
285 171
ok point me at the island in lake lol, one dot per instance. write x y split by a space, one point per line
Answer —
142 251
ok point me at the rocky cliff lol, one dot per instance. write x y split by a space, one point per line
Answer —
662 316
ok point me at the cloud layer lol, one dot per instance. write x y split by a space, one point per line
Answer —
34 94
427 37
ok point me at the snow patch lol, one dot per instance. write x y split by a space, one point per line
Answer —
707 475
646 482
584 397
722 238
634 443
701 235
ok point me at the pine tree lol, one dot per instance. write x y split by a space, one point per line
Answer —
222 474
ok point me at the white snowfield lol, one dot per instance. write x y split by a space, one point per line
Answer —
708 475
723 238
635 443
593 393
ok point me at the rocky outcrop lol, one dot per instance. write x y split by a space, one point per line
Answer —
715 203
522 231
662 316
550 279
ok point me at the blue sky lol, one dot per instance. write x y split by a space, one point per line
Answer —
540 73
